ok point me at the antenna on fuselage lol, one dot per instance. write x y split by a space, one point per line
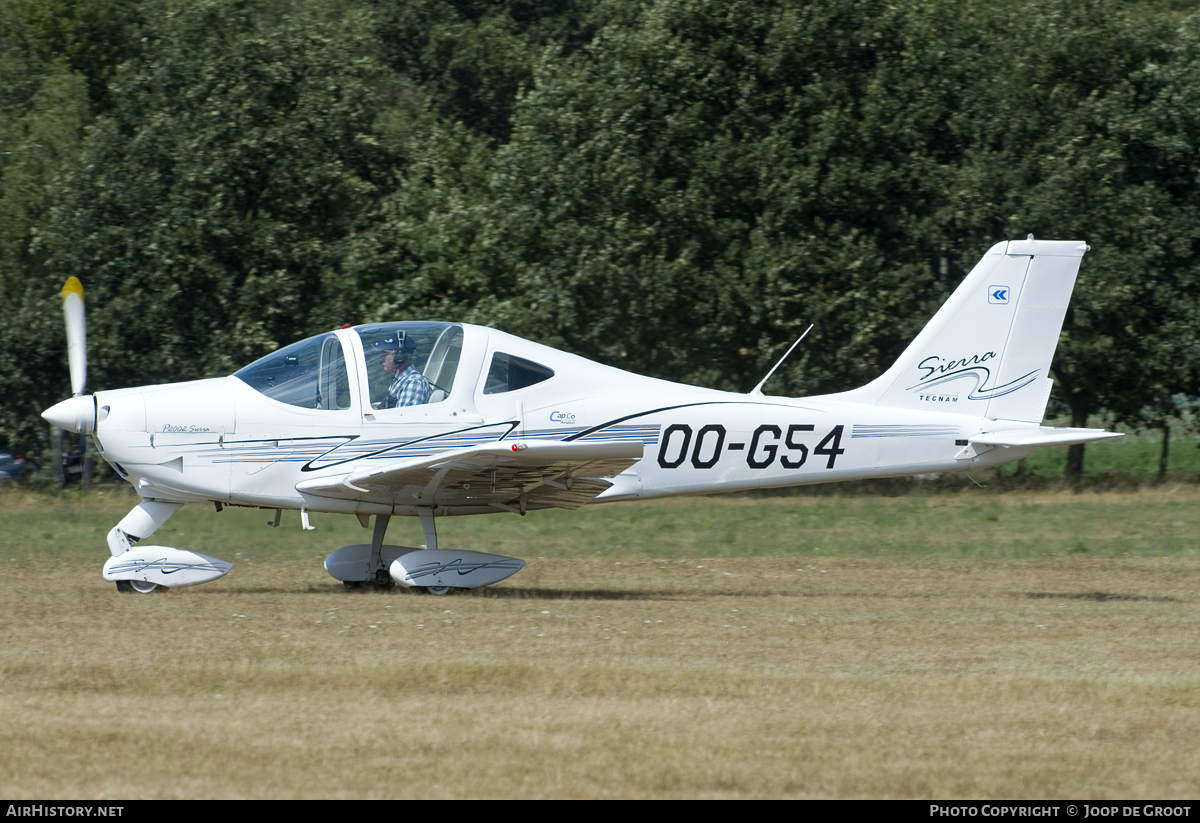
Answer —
758 389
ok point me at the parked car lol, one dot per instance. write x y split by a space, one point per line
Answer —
15 467
74 466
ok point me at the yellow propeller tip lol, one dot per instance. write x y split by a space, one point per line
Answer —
72 286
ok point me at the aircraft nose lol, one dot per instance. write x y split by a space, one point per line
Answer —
76 414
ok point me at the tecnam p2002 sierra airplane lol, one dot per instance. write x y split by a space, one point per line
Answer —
433 419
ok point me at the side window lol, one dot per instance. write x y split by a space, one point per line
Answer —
509 373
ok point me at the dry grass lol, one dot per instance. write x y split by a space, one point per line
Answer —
855 677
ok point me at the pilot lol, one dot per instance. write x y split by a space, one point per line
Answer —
409 387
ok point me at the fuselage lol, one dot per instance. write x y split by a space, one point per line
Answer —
228 440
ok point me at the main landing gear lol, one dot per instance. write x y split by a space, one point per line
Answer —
136 587
433 570
431 545
381 578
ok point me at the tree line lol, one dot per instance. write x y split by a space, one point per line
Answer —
675 187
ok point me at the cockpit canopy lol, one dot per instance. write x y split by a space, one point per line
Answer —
312 373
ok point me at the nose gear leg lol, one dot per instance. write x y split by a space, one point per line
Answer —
144 568
143 521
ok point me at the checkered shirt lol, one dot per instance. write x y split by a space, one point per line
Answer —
410 388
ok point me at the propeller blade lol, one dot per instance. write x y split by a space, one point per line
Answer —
73 312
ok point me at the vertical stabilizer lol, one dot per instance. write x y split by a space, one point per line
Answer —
987 351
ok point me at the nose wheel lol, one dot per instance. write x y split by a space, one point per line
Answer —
439 590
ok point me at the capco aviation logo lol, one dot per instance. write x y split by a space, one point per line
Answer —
562 417
998 295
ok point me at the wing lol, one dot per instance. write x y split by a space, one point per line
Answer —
510 476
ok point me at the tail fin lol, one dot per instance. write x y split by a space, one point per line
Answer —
987 351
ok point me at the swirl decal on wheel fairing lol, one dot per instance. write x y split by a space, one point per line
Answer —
462 567
162 566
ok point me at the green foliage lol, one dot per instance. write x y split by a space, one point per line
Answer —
734 172
725 173
43 109
674 187
92 37
212 206
1106 163
471 58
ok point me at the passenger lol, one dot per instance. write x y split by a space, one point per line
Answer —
409 387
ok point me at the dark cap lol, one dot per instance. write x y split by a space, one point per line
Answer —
398 342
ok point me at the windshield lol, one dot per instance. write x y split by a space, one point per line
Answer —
412 363
310 374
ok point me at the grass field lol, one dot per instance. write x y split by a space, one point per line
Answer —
975 644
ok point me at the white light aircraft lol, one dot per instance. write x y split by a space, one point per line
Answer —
492 423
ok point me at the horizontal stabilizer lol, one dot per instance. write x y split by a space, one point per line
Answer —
1042 436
